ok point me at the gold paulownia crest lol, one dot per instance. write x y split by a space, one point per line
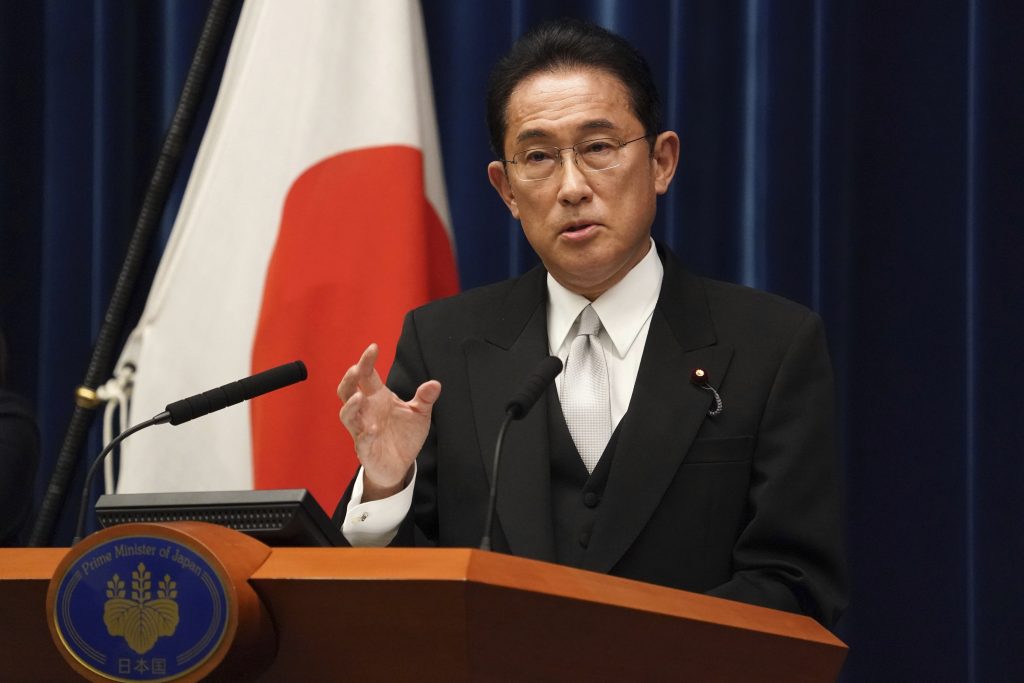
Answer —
141 620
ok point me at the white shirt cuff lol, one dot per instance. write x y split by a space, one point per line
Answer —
374 524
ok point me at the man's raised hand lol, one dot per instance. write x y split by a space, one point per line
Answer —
388 432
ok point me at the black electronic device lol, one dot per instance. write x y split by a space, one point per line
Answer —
279 517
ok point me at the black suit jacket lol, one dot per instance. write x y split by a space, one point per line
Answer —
744 505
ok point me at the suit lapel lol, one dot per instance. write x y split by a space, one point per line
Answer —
497 367
665 413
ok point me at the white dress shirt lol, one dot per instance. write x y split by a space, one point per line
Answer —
625 311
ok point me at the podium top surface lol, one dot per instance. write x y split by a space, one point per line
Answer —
516 573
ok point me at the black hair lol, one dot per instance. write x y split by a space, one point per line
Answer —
571 44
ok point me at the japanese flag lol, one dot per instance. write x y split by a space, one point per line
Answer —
314 218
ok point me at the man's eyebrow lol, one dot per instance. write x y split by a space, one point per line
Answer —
593 124
531 134
598 124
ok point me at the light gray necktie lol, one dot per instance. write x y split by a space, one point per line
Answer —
585 399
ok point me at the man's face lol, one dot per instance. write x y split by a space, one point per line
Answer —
589 228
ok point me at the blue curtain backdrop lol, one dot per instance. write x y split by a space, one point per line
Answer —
864 158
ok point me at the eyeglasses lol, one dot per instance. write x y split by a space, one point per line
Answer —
540 163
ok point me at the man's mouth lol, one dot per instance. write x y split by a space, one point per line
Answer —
580 232
578 227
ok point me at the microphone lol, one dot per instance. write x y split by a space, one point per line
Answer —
519 405
213 400
196 406
699 376
516 409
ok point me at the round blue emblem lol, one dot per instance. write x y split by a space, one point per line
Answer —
141 608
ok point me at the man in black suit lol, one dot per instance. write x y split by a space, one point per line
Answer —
738 499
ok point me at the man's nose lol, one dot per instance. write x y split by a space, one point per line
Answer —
574 186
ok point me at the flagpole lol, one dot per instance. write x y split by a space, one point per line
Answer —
153 204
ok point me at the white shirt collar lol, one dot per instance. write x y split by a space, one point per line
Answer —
623 309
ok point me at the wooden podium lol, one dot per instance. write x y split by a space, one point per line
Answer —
456 615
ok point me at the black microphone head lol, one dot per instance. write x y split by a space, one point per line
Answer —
235 392
272 379
535 385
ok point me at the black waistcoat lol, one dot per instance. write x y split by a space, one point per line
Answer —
575 494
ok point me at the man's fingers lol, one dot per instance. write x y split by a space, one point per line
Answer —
349 414
358 423
426 395
361 376
369 380
349 384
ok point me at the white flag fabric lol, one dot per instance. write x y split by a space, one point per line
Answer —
315 216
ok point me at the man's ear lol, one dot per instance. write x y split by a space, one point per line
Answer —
499 180
665 157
